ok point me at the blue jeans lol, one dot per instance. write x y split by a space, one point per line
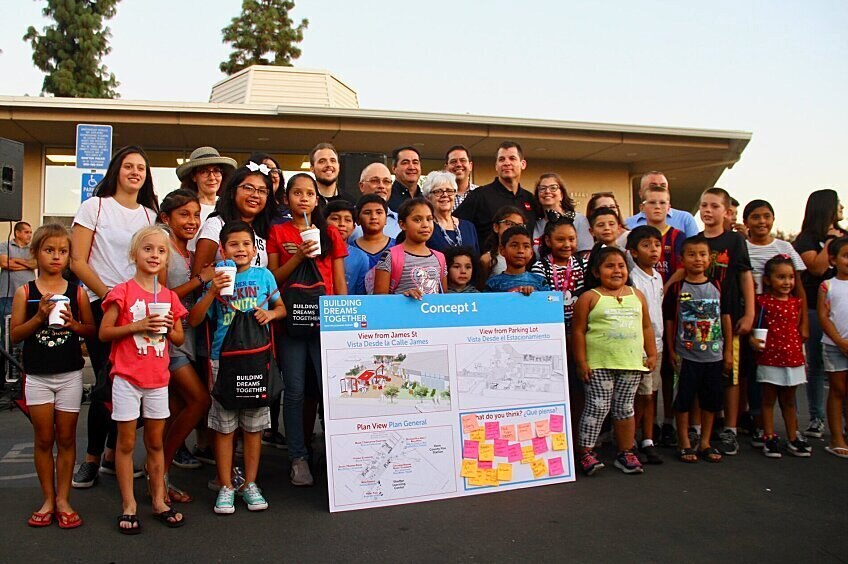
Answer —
294 354
815 368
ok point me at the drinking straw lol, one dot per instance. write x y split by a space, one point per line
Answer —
155 289
306 220
760 320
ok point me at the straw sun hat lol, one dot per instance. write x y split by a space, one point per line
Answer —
204 156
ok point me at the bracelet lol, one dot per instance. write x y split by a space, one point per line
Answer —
199 279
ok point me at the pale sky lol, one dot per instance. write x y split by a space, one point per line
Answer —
775 68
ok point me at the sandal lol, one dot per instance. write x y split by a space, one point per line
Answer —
135 524
710 454
174 494
40 519
688 455
70 520
169 518
841 452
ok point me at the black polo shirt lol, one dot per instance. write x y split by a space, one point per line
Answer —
339 195
400 194
480 206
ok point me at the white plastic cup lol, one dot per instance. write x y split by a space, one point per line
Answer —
230 271
312 235
60 304
761 334
159 310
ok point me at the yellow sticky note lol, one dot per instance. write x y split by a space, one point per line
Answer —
539 467
469 469
477 479
478 434
486 452
490 477
558 440
527 454
505 472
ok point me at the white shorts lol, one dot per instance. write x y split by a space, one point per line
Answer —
650 382
130 401
63 390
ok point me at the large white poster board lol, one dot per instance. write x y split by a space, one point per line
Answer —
452 395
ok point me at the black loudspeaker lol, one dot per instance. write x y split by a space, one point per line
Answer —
351 167
11 179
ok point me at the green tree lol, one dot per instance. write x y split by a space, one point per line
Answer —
421 392
263 29
71 50
391 392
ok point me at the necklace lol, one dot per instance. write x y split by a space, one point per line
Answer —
618 297
452 242
186 257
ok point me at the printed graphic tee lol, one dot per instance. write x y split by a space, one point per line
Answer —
697 311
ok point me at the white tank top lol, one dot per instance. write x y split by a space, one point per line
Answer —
837 297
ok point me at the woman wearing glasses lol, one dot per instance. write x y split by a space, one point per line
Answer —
449 231
203 174
556 203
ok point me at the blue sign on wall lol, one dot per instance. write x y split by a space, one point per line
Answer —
89 182
94 146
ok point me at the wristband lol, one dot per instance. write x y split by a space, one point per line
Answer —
199 279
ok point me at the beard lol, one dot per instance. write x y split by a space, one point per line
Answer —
326 181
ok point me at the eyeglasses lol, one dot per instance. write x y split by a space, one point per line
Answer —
656 203
254 191
210 171
439 192
276 172
510 223
548 188
378 180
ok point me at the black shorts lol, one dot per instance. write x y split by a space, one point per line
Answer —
701 379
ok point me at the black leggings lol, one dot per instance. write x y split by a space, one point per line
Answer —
101 429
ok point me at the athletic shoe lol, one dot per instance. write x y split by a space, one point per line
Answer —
108 467
758 439
651 455
729 444
746 423
816 429
86 475
589 463
300 473
184 459
800 447
236 477
205 455
637 452
225 504
771 448
668 436
252 496
274 439
628 463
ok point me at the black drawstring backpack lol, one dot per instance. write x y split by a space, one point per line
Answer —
248 376
303 290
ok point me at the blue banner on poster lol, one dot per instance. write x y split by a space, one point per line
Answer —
88 184
93 146
346 313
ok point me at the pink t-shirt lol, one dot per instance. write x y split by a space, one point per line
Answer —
132 357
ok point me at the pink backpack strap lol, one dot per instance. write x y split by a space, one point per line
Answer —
398 259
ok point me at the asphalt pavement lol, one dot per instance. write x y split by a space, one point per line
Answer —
748 508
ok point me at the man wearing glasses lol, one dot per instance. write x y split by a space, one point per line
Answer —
679 219
480 205
458 161
324 164
203 174
406 164
376 179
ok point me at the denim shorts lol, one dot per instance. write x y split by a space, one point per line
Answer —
834 360
177 362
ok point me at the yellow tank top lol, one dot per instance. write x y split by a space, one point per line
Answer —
614 339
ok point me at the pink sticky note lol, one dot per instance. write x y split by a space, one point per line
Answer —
555 466
470 449
514 452
543 428
484 465
557 423
501 447
508 432
493 430
540 445
525 432
469 423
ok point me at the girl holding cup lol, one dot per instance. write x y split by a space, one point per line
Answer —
138 315
780 360
53 361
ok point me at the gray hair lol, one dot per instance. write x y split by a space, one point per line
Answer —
438 178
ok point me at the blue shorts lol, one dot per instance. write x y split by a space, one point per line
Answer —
834 360
178 362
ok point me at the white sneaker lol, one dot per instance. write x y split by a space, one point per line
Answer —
300 473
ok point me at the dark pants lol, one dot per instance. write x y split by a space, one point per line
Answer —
101 429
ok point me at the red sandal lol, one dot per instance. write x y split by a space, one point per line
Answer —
40 519
70 520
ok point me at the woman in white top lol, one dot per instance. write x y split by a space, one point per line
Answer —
123 203
203 174
555 203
